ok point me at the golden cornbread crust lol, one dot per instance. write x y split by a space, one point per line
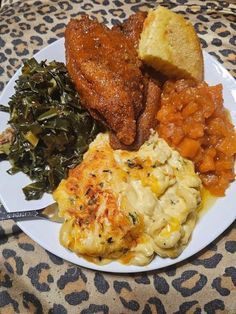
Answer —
170 44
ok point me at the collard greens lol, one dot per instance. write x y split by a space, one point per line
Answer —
52 129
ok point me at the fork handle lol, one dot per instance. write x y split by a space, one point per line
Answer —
19 215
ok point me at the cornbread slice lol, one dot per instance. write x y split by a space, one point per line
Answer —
170 44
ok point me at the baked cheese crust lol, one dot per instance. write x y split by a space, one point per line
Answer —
129 205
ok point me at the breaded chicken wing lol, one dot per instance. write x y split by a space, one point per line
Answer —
146 121
105 68
133 27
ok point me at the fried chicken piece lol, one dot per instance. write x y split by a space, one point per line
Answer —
133 27
146 121
105 68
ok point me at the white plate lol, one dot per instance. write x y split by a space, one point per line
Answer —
45 233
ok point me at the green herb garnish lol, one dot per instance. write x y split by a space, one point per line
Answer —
52 129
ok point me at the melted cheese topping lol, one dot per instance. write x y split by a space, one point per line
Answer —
129 205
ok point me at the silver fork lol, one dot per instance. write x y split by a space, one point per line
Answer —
49 212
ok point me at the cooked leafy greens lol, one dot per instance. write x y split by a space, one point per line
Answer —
52 129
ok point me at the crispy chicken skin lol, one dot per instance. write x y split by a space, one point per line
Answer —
105 68
146 121
133 27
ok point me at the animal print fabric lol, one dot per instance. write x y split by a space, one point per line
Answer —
33 280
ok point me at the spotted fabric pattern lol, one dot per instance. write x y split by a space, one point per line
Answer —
32 280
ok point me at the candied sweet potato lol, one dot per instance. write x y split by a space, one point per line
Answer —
188 147
193 120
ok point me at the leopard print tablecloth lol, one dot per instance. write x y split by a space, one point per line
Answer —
33 280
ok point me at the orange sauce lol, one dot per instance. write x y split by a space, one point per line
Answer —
208 200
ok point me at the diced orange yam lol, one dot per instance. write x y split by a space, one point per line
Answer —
223 183
166 131
213 140
211 182
208 110
184 85
229 175
178 135
164 113
209 179
198 117
217 95
188 147
196 130
178 102
217 127
218 189
222 165
207 103
198 157
189 109
207 164
187 126
175 117
211 151
227 146
171 133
